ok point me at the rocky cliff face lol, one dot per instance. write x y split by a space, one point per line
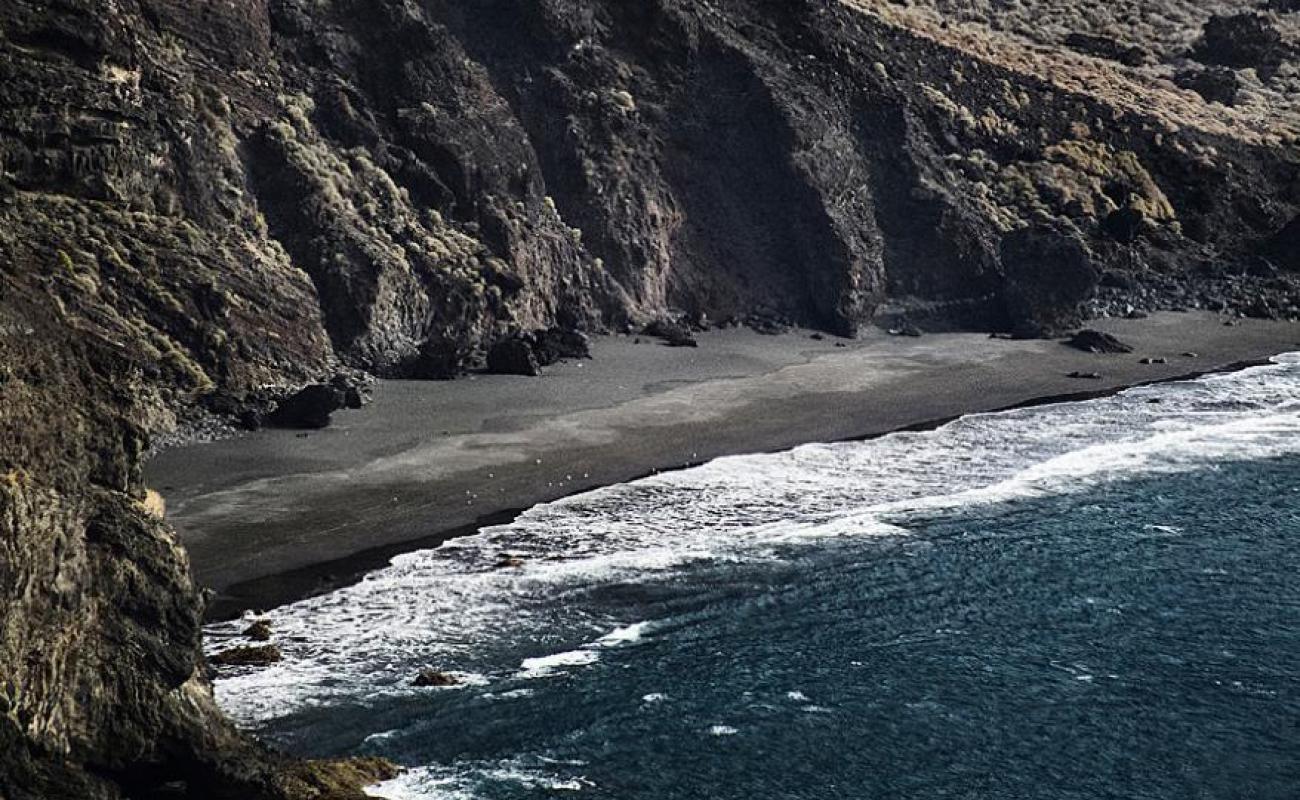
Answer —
202 200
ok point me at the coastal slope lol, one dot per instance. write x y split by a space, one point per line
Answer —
206 206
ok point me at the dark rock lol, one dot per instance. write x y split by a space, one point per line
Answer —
513 355
554 344
1259 267
1087 376
1150 361
259 630
251 420
1048 275
767 323
310 407
1241 40
674 334
816 337
354 388
1214 85
1105 47
1190 354
1283 247
247 656
1260 308
1124 225
1115 279
509 562
1092 341
433 677
438 360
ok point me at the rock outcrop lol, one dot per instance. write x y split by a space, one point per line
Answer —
206 206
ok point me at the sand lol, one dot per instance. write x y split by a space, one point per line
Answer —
274 515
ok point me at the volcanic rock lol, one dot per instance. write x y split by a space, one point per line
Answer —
310 407
247 656
1048 274
1092 341
1215 84
433 677
553 344
513 355
259 630
673 334
1241 40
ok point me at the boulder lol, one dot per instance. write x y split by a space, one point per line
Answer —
674 334
310 407
1240 41
513 355
1087 376
247 656
1091 341
433 677
438 360
1214 85
767 323
259 630
354 388
553 344
1094 341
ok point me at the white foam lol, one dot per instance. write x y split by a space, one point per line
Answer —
450 607
546 666
722 730
460 782
628 634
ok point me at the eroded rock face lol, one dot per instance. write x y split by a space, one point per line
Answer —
217 204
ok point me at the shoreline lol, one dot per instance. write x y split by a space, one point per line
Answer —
274 517
281 589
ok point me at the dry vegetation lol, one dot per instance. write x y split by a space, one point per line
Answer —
1029 37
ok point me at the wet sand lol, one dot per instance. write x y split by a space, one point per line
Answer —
275 515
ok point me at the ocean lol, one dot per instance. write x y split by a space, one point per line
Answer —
1094 599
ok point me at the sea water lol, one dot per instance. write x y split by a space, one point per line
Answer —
1097 599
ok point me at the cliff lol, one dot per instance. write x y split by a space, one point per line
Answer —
206 204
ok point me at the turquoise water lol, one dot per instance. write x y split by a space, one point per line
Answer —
1088 600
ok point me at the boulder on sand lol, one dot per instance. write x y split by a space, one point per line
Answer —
513 356
553 344
310 407
1091 341
674 334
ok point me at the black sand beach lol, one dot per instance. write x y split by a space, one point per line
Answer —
275 515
